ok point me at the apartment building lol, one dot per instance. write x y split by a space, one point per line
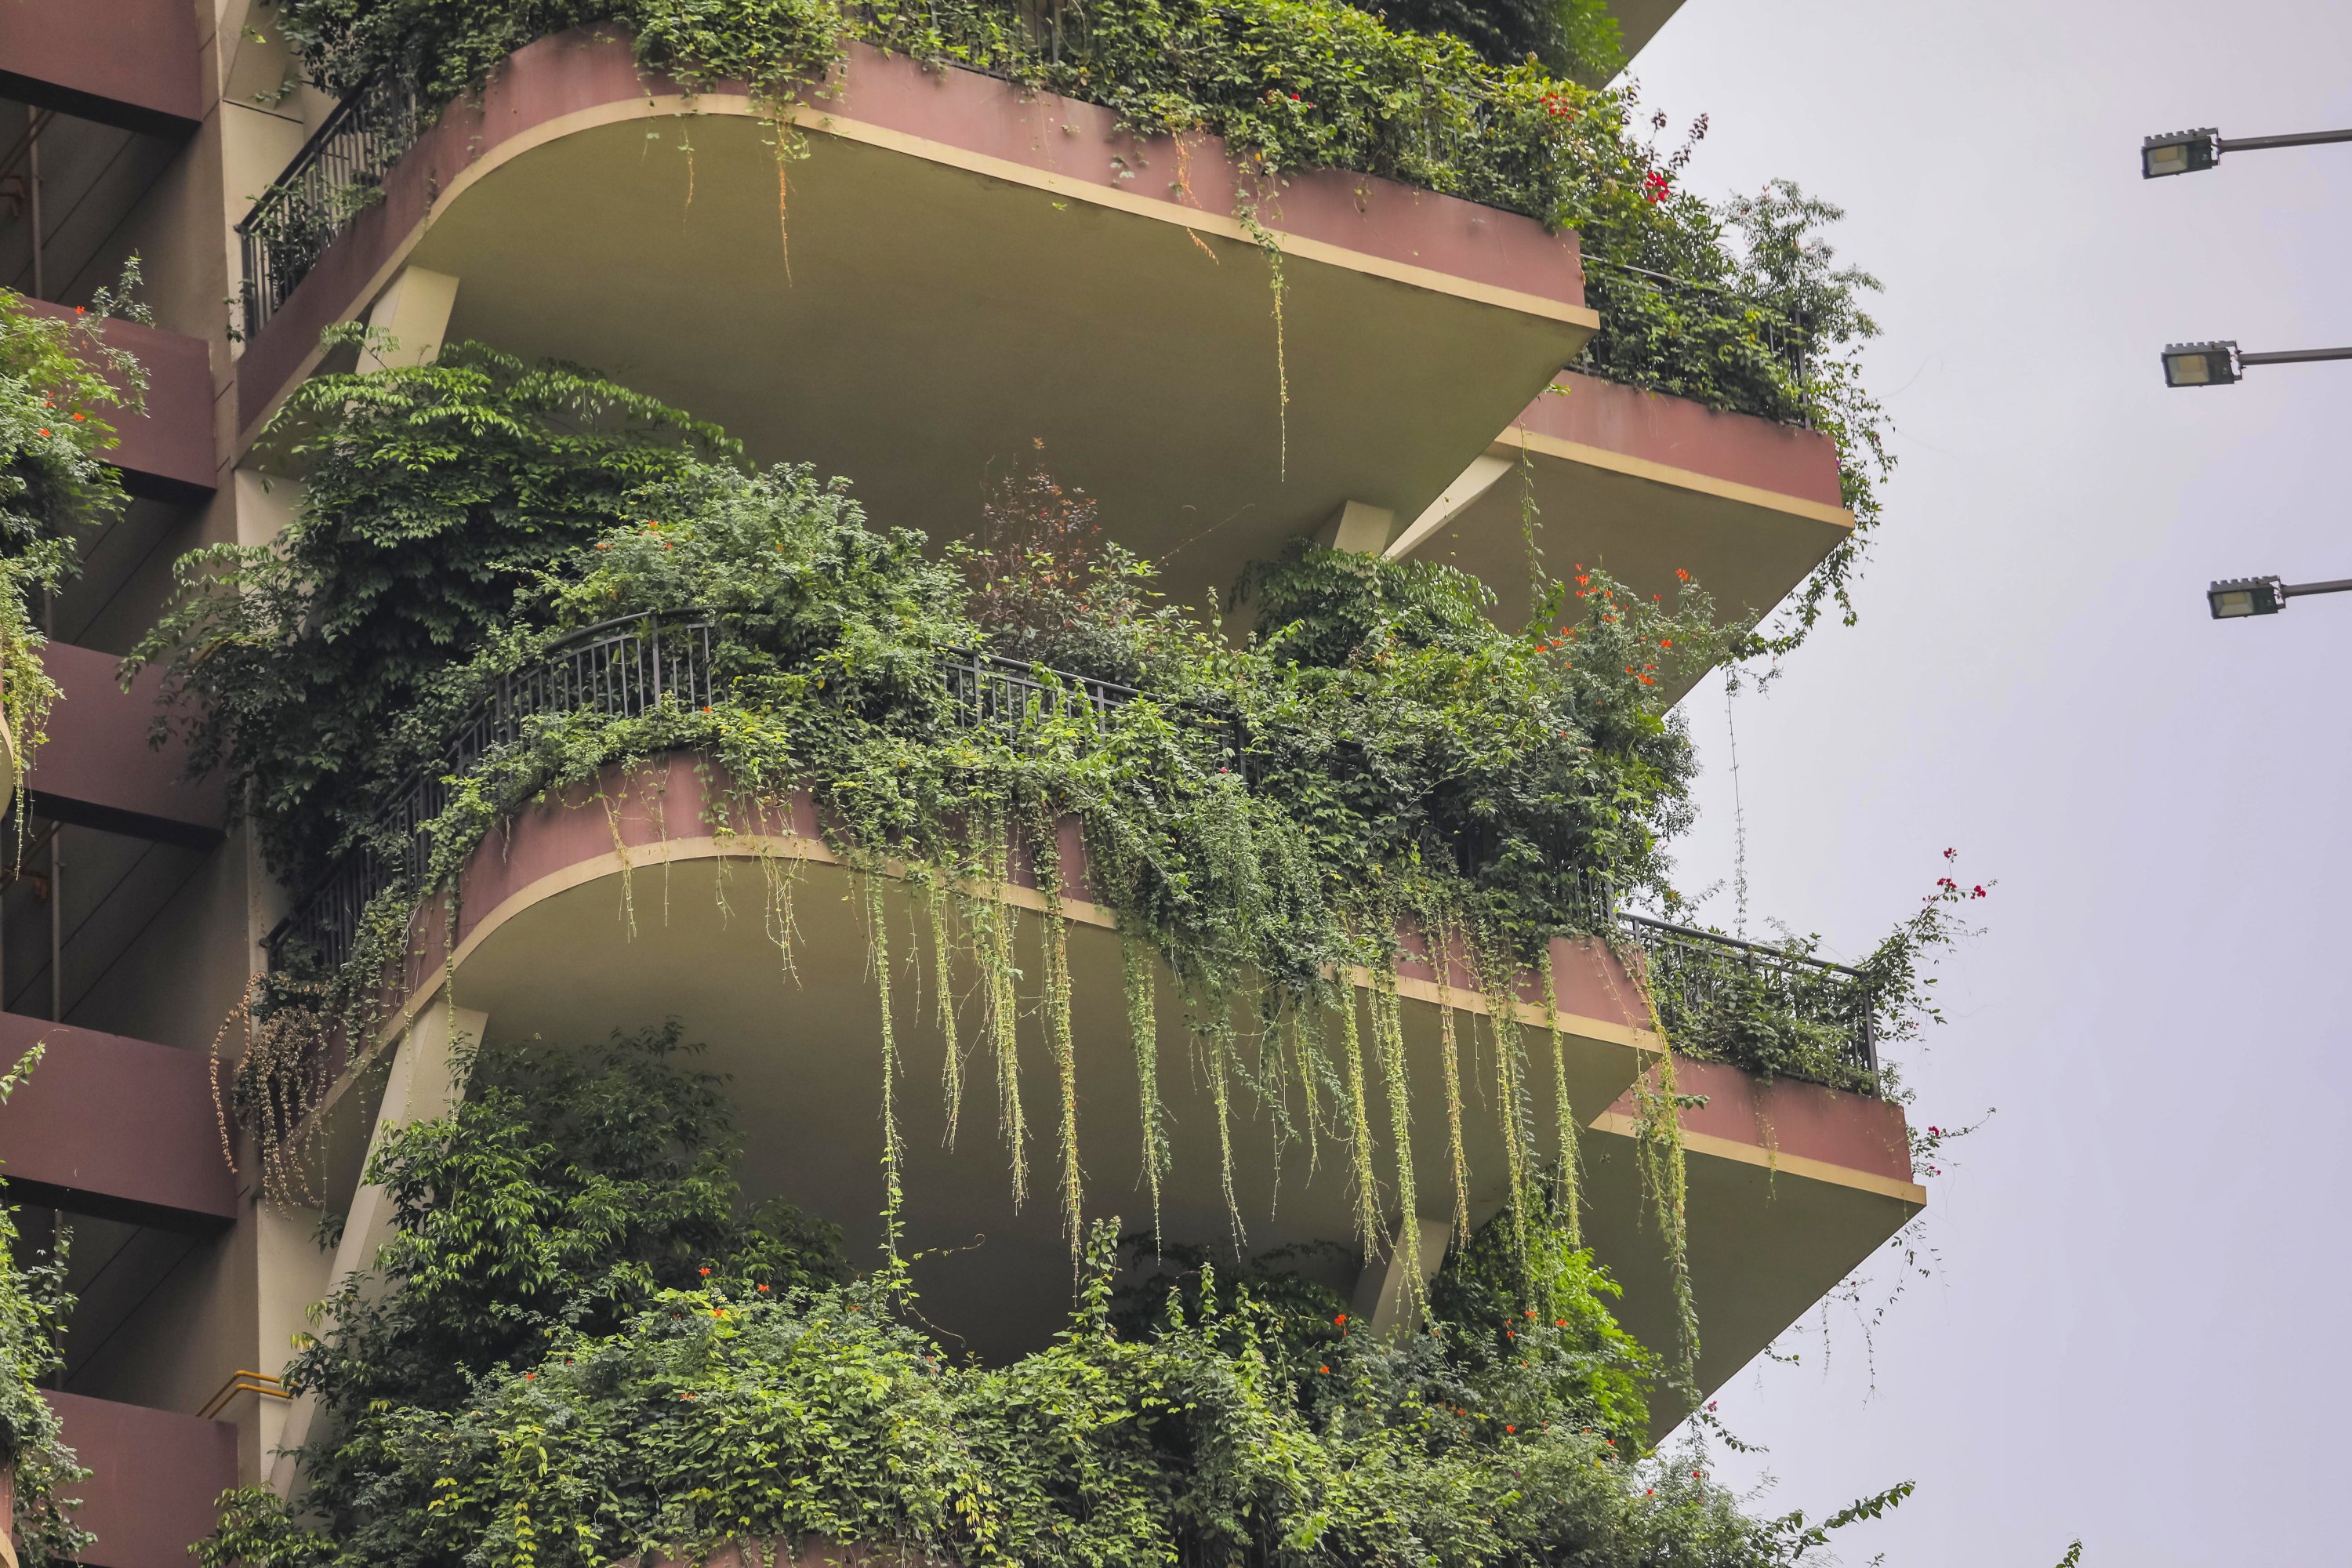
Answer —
971 267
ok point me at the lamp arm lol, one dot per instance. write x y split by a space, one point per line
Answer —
2296 590
2259 143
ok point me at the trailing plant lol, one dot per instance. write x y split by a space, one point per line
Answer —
34 1306
60 381
1195 1418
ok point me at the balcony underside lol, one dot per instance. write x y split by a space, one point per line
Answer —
1641 484
1792 1188
969 272
561 941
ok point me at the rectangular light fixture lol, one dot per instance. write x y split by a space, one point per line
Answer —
2200 364
2235 596
2180 152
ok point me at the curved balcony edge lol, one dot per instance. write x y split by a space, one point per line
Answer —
573 81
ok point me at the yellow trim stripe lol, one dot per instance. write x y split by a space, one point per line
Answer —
1667 474
1799 1165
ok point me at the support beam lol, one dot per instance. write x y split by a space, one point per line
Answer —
1358 527
421 1087
1483 474
1383 1295
413 312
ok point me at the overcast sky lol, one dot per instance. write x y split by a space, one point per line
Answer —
2132 1330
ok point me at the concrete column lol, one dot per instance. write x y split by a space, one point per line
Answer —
422 1086
413 313
1483 474
1383 1295
1358 527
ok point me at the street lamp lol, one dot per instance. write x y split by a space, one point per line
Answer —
2222 363
2194 151
2235 597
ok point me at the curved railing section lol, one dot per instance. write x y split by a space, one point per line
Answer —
622 669
339 172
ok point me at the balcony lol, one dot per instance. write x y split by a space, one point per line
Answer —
969 271
97 99
1641 485
166 451
118 1129
99 770
135 64
616 907
154 1475
1792 1186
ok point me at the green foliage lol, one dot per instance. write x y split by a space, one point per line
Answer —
564 1194
1197 1420
1575 39
34 1304
432 496
58 381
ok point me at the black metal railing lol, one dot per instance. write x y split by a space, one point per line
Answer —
621 668
1693 972
339 172
1010 694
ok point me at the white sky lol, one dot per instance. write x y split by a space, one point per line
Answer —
2132 1331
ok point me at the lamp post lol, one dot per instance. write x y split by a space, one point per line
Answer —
2222 363
2194 151
2235 597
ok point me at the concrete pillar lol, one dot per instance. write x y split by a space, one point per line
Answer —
1383 1295
412 314
1358 527
422 1086
1483 474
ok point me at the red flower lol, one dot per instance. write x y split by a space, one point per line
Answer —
763 1290
1324 1369
528 1375
1341 1320
1681 574
706 1273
